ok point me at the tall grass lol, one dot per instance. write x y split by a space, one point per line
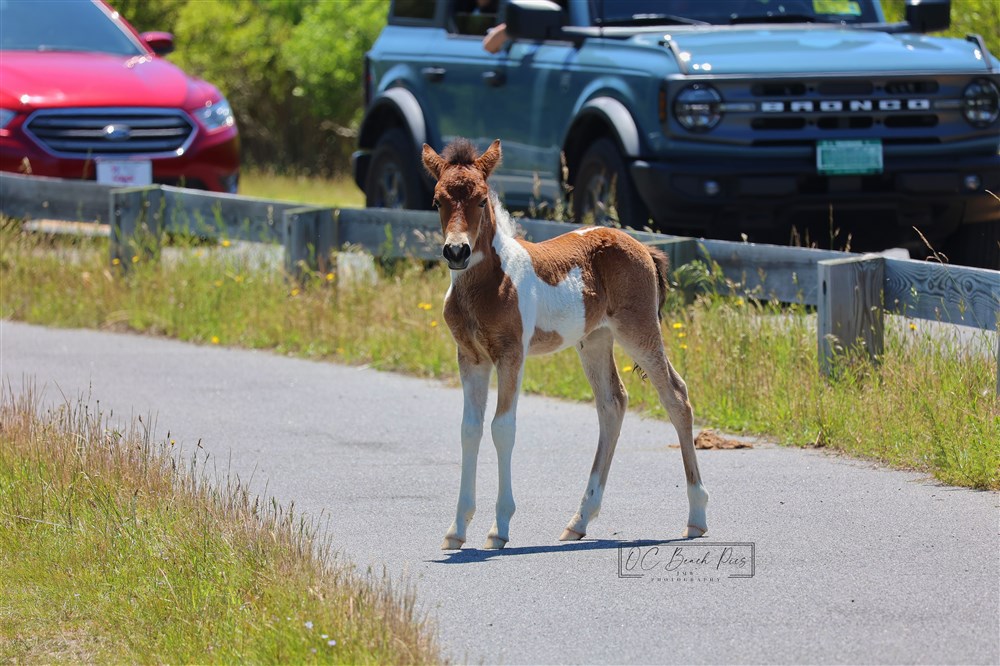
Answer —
751 367
113 549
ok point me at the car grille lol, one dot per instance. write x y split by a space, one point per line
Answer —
120 132
798 111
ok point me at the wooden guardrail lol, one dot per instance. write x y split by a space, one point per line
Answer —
851 292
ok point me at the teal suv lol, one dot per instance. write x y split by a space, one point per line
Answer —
809 120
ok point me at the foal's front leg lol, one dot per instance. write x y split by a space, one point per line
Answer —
509 372
475 385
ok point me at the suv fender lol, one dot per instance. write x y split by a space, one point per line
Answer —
613 114
394 107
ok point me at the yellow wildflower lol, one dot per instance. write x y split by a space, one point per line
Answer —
225 242
626 368
295 292
683 346
682 334
424 306
329 277
433 323
115 261
913 326
215 339
677 325
135 258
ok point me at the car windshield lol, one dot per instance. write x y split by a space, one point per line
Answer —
725 12
67 25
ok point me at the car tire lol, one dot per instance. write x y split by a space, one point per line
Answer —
976 245
595 200
394 179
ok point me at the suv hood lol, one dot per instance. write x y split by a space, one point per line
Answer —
778 49
31 80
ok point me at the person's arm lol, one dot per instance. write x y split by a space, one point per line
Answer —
495 38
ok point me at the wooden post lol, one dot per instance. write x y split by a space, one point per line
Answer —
310 235
850 307
136 215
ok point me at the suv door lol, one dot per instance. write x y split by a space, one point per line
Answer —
453 75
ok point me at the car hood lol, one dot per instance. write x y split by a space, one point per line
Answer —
778 49
32 80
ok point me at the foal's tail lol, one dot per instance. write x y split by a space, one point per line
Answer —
662 262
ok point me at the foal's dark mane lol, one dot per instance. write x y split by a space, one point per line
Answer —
459 152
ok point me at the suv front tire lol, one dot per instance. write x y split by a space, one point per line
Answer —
394 179
603 191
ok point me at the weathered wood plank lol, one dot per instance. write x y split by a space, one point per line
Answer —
787 274
35 197
940 292
392 233
233 216
850 308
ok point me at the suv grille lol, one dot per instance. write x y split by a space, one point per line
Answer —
798 111
91 132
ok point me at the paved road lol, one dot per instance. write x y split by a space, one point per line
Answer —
851 563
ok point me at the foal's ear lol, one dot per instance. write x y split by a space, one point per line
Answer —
490 159
432 162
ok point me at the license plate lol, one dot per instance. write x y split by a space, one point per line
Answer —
849 157
125 173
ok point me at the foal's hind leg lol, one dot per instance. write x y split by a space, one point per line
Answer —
643 343
597 355
475 385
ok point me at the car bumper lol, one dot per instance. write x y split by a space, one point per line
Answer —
211 163
359 166
753 195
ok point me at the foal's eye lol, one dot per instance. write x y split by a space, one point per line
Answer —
482 204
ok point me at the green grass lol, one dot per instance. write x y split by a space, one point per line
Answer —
930 405
112 549
305 189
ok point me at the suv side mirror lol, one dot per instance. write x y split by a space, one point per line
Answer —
928 15
533 20
161 43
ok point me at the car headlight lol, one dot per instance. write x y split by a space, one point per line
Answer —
981 102
6 115
697 107
214 116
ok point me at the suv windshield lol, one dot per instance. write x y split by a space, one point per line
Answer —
69 25
674 12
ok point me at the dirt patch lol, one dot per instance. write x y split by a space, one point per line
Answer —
709 439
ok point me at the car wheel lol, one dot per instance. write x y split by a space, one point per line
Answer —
603 191
393 179
976 245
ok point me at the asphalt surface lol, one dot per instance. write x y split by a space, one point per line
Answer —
850 564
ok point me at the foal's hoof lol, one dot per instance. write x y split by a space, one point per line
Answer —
571 535
494 543
452 543
693 531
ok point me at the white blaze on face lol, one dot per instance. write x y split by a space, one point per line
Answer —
553 309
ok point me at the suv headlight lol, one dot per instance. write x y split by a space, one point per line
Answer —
214 116
697 107
981 102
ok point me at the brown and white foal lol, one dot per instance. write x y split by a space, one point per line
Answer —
510 298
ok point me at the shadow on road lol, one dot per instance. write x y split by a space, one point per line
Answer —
473 555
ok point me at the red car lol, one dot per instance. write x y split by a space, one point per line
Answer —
83 95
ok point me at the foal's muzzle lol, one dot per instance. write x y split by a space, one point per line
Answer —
457 255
